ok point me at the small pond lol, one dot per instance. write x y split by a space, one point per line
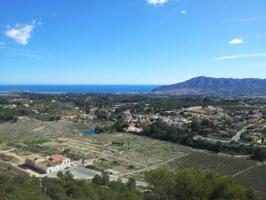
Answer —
88 132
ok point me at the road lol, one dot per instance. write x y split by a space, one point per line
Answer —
237 136
212 139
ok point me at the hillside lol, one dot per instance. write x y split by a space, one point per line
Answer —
217 86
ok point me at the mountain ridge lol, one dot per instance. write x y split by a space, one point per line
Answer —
216 86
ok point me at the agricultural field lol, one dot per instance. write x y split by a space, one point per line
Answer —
28 128
124 155
255 178
120 153
6 168
248 172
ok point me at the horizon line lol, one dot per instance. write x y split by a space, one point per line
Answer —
83 84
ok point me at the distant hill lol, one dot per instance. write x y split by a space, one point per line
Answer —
216 86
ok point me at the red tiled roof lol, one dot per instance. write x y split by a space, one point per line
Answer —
57 158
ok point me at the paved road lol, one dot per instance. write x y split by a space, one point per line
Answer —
237 136
213 139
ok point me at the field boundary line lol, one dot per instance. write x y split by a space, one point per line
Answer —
154 166
247 169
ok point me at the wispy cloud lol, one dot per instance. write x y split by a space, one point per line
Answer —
157 2
21 33
236 41
183 12
239 56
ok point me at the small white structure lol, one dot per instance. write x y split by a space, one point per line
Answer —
54 163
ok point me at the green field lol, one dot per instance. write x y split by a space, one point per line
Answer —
38 141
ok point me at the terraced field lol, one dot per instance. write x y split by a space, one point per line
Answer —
248 172
25 129
6 168
255 178
222 164
124 154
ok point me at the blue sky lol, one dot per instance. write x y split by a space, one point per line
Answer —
130 41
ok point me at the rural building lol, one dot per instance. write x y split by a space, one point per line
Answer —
49 165
133 129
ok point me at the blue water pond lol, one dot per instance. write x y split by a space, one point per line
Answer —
88 132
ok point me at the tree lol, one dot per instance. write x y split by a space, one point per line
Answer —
101 114
60 174
195 125
101 180
131 184
99 129
120 125
97 179
194 185
259 154
105 178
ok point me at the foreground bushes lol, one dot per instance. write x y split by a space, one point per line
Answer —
163 185
194 185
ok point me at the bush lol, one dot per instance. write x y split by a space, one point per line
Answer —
194 185
259 154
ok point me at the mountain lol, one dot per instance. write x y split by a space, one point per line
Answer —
216 86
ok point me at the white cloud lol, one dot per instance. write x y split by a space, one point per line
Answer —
236 41
184 12
157 2
239 56
21 33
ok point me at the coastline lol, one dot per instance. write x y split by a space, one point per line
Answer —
77 89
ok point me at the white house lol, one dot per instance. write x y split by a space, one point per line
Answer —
54 163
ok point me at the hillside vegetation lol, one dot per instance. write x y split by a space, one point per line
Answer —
164 184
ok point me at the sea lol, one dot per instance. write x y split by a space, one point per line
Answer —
114 89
